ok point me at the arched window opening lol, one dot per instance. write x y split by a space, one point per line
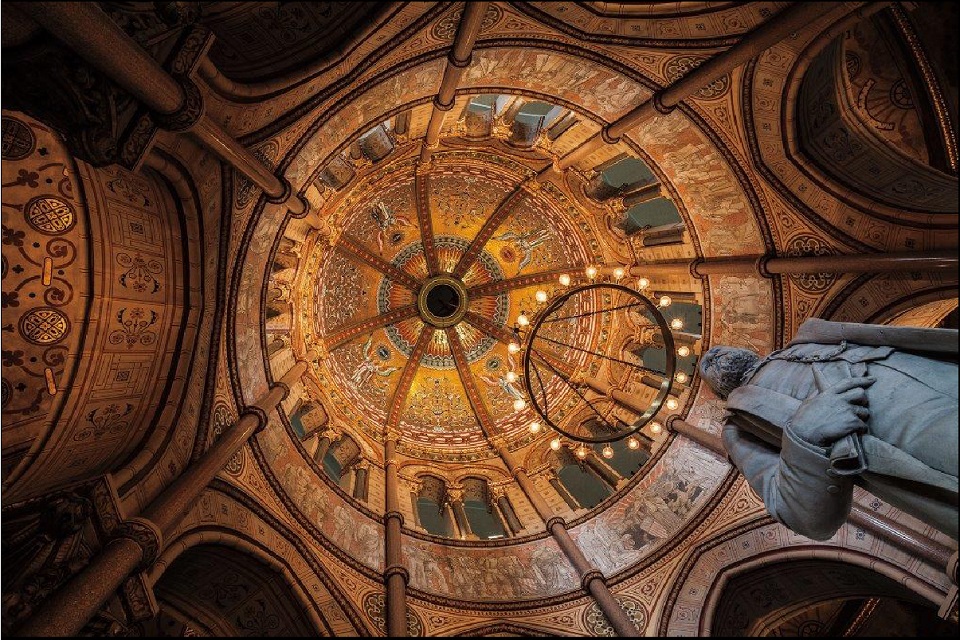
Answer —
583 484
478 506
432 509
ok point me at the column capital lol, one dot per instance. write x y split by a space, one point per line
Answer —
190 111
146 535
455 494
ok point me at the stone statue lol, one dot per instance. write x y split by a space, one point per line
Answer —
844 404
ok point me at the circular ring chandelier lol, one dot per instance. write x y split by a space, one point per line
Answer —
549 344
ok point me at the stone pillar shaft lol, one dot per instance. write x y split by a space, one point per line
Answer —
86 29
509 515
395 580
460 515
793 18
457 60
906 261
603 471
593 579
78 600
68 609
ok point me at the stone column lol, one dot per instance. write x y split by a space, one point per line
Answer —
361 480
446 512
324 442
620 397
455 500
507 511
414 499
937 260
395 575
602 470
458 59
140 539
86 29
793 18
591 579
561 490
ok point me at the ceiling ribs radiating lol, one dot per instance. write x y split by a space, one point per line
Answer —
353 246
469 384
519 282
506 336
348 333
425 220
406 378
501 213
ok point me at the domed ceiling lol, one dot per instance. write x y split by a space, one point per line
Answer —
469 226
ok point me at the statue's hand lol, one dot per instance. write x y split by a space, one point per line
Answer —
838 410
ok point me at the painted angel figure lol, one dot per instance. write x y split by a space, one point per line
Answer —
508 387
526 243
366 369
385 218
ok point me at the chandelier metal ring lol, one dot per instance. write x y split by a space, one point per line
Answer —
530 354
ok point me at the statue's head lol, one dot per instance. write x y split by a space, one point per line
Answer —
723 368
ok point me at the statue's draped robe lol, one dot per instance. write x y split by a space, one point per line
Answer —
908 457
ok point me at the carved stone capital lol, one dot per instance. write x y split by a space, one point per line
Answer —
147 536
188 113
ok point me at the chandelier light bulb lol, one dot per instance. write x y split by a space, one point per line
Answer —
591 272
534 427
681 377
541 296
565 280
655 427
511 376
643 283
665 301
619 273
607 452
513 347
676 324
683 351
555 444
672 404
519 404
581 452
523 320
633 443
